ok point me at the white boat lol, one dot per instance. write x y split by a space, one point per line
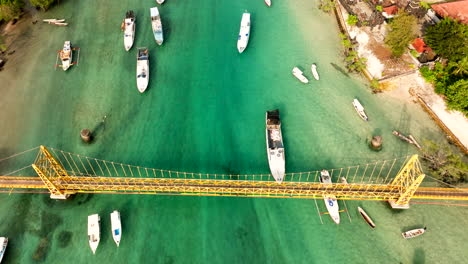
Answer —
268 2
53 20
299 75
142 69
413 233
116 226
66 55
366 217
129 30
360 110
156 25
3 245
275 147
94 234
160 2
244 33
314 71
330 200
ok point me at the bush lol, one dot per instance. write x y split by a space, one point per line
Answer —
379 8
352 20
327 5
10 9
402 32
43 4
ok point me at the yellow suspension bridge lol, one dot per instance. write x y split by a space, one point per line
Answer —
63 174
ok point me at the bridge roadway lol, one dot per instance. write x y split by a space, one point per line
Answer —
75 184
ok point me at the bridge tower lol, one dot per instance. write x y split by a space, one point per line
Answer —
51 173
407 180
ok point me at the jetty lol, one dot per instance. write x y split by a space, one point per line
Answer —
410 139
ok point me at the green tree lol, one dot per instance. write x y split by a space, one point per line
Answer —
460 67
10 9
352 20
457 96
402 32
327 5
379 8
445 165
448 39
43 4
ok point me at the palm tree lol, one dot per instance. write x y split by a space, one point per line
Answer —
460 67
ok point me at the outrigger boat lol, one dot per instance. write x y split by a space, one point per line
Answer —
268 2
116 227
360 109
275 147
156 25
413 233
244 33
142 70
330 200
129 30
94 233
3 245
314 71
66 55
299 75
366 217
160 2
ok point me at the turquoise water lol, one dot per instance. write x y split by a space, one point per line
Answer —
204 112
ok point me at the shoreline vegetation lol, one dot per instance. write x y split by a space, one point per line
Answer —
447 78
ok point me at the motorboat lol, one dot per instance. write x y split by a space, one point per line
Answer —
3 245
360 109
299 75
330 200
275 147
268 2
94 234
413 233
156 25
244 33
160 2
66 55
53 20
314 71
116 226
129 30
142 69
366 217
343 180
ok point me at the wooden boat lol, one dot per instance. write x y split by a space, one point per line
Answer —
66 55
413 233
366 217
268 2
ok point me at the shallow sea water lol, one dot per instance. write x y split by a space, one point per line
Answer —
204 112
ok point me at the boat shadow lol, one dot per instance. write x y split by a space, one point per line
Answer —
419 256
338 68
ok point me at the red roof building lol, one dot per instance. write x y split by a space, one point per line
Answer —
420 46
455 10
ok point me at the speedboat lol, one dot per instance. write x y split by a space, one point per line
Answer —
156 25
275 147
94 234
142 69
129 30
66 55
299 75
360 110
244 33
413 233
268 2
160 2
116 226
3 245
366 217
330 200
314 71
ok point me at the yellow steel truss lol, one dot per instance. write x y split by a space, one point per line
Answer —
60 183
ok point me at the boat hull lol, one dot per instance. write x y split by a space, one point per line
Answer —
366 217
268 3
360 110
3 246
66 55
413 233
116 227
244 33
275 147
142 69
129 32
299 75
314 72
156 25
330 200
94 233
